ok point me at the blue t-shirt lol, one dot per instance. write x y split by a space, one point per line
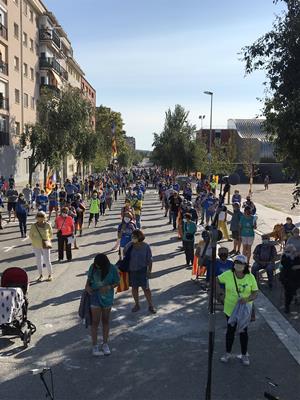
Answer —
222 266
126 232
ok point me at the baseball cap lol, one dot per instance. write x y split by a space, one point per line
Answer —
240 259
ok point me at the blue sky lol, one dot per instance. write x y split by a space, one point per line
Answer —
144 56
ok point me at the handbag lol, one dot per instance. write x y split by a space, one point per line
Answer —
123 265
253 315
45 243
59 232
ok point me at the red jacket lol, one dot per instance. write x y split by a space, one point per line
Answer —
65 224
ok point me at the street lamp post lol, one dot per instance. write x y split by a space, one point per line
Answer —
210 130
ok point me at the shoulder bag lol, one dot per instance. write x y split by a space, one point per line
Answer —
123 265
253 315
45 243
59 232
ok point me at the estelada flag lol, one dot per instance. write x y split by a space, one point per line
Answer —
114 148
50 182
124 282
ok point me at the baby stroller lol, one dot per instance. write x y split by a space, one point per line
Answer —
14 305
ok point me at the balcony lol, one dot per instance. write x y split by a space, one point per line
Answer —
4 138
4 105
3 31
52 88
3 67
50 62
50 34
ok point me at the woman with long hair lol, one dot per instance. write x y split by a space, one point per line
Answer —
103 277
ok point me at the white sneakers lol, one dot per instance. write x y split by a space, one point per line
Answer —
105 350
245 360
225 358
96 352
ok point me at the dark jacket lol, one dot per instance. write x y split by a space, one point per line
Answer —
84 311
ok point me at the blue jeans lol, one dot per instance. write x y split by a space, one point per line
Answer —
269 269
138 221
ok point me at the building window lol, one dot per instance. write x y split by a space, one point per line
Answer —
17 96
26 100
27 165
32 103
25 70
17 128
32 74
16 63
16 30
31 45
25 7
31 15
25 39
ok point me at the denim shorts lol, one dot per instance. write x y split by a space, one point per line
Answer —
95 301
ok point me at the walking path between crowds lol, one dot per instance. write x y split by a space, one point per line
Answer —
153 357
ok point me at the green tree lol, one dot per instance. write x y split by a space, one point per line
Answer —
63 128
278 53
174 147
222 158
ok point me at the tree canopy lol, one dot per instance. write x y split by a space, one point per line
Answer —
174 147
278 53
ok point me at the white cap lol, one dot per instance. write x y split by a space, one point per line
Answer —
240 259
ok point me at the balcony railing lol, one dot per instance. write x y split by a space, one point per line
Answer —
3 31
4 105
50 34
4 138
3 67
51 87
50 62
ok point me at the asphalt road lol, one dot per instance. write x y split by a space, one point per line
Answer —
153 357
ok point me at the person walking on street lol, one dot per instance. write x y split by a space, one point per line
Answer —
80 210
140 268
53 201
175 203
28 193
36 191
235 228
189 231
22 208
94 208
64 224
103 277
247 227
42 201
222 223
240 287
41 236
267 182
12 198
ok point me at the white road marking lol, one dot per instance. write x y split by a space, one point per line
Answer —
7 249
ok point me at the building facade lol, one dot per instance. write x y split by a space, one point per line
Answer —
35 52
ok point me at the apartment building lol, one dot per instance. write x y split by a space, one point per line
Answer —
90 93
35 51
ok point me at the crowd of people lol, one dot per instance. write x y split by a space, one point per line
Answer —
189 207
